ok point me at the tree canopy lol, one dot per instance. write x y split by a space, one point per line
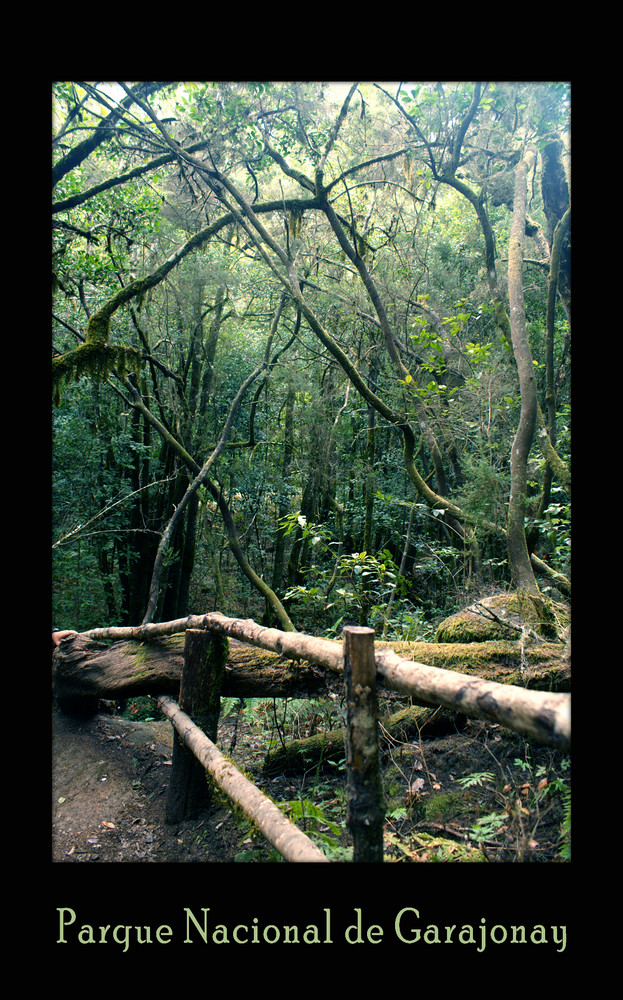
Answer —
311 350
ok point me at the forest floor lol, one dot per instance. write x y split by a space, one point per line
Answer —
481 794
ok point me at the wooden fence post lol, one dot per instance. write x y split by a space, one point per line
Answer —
205 654
366 807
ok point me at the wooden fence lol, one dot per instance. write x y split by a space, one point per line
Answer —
543 716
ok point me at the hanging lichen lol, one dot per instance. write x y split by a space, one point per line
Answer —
295 221
94 360
362 246
407 166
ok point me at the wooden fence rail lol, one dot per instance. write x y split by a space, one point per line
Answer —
540 715
292 844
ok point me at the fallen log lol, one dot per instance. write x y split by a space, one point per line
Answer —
85 670
541 666
545 716
325 750
293 645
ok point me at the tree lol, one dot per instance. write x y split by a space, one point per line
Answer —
519 558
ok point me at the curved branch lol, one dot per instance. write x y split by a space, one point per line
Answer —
457 140
145 168
333 137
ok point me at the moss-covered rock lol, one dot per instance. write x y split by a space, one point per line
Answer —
506 616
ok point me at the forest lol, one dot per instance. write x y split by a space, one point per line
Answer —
311 352
296 330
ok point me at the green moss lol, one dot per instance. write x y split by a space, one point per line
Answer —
98 329
544 664
446 805
95 359
141 675
464 627
501 617
140 654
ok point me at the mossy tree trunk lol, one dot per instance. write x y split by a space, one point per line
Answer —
519 557
284 505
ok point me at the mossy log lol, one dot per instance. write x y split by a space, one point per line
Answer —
541 666
328 749
85 670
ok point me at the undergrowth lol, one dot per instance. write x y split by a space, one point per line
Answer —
480 795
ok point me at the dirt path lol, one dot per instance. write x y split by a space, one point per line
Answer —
111 776
109 784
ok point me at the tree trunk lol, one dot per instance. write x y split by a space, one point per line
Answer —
236 548
555 191
200 479
368 499
284 505
519 557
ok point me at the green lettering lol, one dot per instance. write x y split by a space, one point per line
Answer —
64 921
202 930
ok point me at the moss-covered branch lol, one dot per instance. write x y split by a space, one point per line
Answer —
97 357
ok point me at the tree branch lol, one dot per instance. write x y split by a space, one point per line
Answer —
80 152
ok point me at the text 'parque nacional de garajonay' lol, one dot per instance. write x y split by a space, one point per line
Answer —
407 928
